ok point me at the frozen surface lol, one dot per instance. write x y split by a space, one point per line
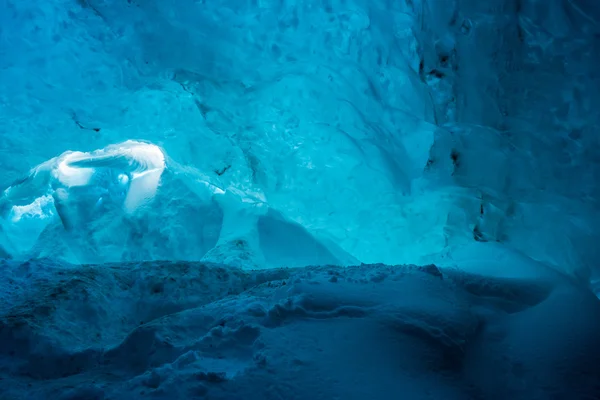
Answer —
180 330
415 124
128 201
177 176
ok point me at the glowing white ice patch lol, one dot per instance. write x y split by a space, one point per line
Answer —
40 208
73 176
150 164
123 179
143 162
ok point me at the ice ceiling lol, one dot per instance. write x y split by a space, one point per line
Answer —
267 133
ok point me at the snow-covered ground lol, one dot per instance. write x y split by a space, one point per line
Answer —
169 330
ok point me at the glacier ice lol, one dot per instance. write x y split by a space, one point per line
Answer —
93 205
128 172
348 129
78 188
177 178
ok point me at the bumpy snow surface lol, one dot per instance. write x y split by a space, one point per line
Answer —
299 199
182 330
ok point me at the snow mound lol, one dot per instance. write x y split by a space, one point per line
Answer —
193 330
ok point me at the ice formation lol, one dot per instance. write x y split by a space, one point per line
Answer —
283 199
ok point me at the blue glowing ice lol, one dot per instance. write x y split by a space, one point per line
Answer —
223 199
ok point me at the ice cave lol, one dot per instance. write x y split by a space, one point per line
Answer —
299 199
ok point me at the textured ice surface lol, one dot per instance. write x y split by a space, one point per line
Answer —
192 143
180 330
119 204
417 125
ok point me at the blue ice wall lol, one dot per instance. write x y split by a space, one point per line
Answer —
365 131
525 123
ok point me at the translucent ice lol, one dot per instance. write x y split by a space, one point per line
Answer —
129 201
80 188
394 130
347 139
